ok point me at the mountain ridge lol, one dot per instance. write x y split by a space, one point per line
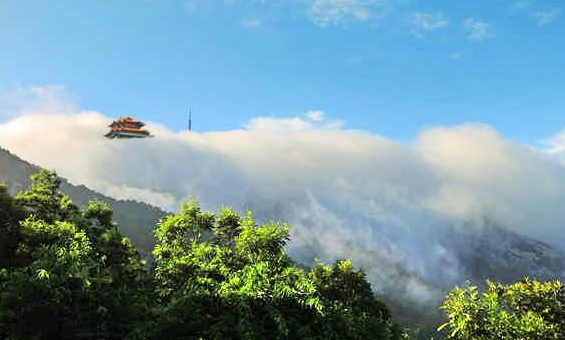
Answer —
136 220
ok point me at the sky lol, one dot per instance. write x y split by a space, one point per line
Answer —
392 67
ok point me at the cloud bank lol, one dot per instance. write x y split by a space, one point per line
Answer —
385 204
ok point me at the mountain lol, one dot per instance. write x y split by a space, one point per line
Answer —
493 252
136 220
482 249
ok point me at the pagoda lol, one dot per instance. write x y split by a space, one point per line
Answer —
127 128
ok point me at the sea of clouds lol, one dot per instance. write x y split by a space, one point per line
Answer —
385 204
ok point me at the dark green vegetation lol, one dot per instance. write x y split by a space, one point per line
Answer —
136 219
67 273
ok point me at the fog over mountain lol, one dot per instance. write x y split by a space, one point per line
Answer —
419 216
136 220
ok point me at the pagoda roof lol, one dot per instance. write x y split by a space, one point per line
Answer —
127 133
128 121
127 127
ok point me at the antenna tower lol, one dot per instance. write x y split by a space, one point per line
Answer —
189 120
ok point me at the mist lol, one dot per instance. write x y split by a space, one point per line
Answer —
385 204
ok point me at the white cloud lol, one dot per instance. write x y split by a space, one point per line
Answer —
546 18
338 12
346 193
19 100
556 143
315 116
315 120
251 23
476 30
276 124
427 22
455 55
152 196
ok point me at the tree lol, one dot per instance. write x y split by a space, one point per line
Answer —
122 286
528 310
47 297
10 215
45 200
351 303
67 274
239 284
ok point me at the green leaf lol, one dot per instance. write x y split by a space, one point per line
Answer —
42 274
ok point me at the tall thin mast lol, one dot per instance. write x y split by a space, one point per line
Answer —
189 120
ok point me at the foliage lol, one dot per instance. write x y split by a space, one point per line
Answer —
45 200
10 214
45 297
68 273
65 274
526 310
351 303
240 284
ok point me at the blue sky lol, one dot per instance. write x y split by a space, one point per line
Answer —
393 67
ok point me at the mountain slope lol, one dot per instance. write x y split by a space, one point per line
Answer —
480 248
496 253
136 220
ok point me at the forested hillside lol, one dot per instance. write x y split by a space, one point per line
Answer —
136 219
68 273
490 252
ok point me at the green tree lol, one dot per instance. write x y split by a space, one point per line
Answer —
67 274
48 296
528 310
122 286
240 284
226 227
354 309
10 215
45 200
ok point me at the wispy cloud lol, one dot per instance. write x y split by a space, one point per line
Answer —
251 23
547 17
455 55
476 30
519 5
315 115
556 143
427 22
338 12
52 98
